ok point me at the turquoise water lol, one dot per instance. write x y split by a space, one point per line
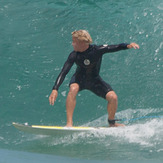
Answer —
34 44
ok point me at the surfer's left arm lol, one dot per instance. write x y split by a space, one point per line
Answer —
114 48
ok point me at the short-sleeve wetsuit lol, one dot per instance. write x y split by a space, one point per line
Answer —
88 68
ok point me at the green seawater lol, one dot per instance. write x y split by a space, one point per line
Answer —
35 41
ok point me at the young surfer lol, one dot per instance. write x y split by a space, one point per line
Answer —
88 59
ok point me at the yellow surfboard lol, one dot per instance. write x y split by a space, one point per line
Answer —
54 130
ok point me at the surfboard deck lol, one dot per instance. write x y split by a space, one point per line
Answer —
54 130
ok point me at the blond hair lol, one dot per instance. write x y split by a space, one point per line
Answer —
82 35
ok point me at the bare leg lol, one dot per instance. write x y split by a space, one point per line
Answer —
112 99
71 103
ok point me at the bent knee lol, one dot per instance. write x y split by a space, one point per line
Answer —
111 96
74 88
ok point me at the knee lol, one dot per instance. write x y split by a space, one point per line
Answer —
74 88
111 96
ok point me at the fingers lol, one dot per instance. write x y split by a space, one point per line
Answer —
53 97
51 100
134 45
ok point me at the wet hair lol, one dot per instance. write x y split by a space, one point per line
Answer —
82 35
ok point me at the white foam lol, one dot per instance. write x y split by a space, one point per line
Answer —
145 132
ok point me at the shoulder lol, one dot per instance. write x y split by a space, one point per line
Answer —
100 47
72 56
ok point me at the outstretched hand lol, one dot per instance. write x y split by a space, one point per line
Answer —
133 45
53 97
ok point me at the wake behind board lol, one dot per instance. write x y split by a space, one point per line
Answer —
54 130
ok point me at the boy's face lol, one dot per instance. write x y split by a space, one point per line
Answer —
79 46
75 43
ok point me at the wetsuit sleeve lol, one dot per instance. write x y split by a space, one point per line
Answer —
112 48
66 68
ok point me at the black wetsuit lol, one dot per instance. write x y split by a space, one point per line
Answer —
88 68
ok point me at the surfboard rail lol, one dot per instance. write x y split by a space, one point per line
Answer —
54 130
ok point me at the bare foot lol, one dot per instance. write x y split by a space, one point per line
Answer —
117 125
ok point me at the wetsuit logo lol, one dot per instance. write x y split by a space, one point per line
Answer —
87 62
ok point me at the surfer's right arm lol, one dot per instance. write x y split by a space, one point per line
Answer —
66 68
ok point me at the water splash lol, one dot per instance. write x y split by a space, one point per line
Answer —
144 131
